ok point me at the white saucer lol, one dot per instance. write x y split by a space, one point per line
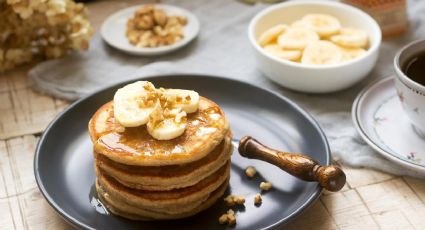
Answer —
380 120
114 27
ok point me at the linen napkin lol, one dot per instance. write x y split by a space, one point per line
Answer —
222 48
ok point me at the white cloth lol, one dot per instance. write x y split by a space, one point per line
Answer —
222 48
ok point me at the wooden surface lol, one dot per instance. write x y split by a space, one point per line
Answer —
370 200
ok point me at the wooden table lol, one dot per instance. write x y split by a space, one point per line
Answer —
370 200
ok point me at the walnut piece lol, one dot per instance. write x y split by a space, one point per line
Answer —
231 219
258 199
240 200
151 27
265 186
228 218
230 212
232 200
223 219
250 171
229 200
160 17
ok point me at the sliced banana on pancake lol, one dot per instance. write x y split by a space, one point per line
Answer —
281 53
321 53
351 53
297 38
134 103
351 38
187 100
323 24
271 34
163 110
167 124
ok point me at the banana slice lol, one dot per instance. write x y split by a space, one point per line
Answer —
134 103
323 24
351 38
322 53
352 53
271 34
164 111
298 24
279 52
167 124
187 100
297 38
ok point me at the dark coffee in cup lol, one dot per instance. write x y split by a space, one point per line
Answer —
414 68
409 66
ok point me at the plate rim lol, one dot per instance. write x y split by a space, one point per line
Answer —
150 51
74 222
359 127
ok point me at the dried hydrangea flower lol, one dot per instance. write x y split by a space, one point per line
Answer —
45 29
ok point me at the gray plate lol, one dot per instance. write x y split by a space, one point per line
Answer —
64 162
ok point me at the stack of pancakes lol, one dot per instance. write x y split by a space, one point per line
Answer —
141 178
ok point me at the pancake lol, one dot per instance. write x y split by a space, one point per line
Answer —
167 177
205 129
136 213
159 200
142 178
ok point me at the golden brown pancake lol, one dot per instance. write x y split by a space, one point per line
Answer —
137 213
141 178
159 200
205 129
167 177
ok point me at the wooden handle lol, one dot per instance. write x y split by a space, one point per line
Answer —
303 167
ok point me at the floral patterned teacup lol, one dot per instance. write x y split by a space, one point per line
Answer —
411 93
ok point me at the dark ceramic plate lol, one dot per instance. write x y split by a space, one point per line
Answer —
64 163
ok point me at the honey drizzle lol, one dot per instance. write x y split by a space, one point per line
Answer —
128 141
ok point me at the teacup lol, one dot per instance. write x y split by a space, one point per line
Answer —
410 92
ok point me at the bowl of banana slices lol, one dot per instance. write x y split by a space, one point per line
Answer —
315 47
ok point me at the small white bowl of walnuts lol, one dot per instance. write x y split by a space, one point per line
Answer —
150 29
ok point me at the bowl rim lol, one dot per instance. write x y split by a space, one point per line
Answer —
341 6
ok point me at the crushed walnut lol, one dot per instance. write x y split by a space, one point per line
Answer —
258 199
231 219
228 218
250 171
232 200
151 27
223 219
265 186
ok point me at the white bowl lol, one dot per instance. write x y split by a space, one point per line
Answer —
311 78
114 28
